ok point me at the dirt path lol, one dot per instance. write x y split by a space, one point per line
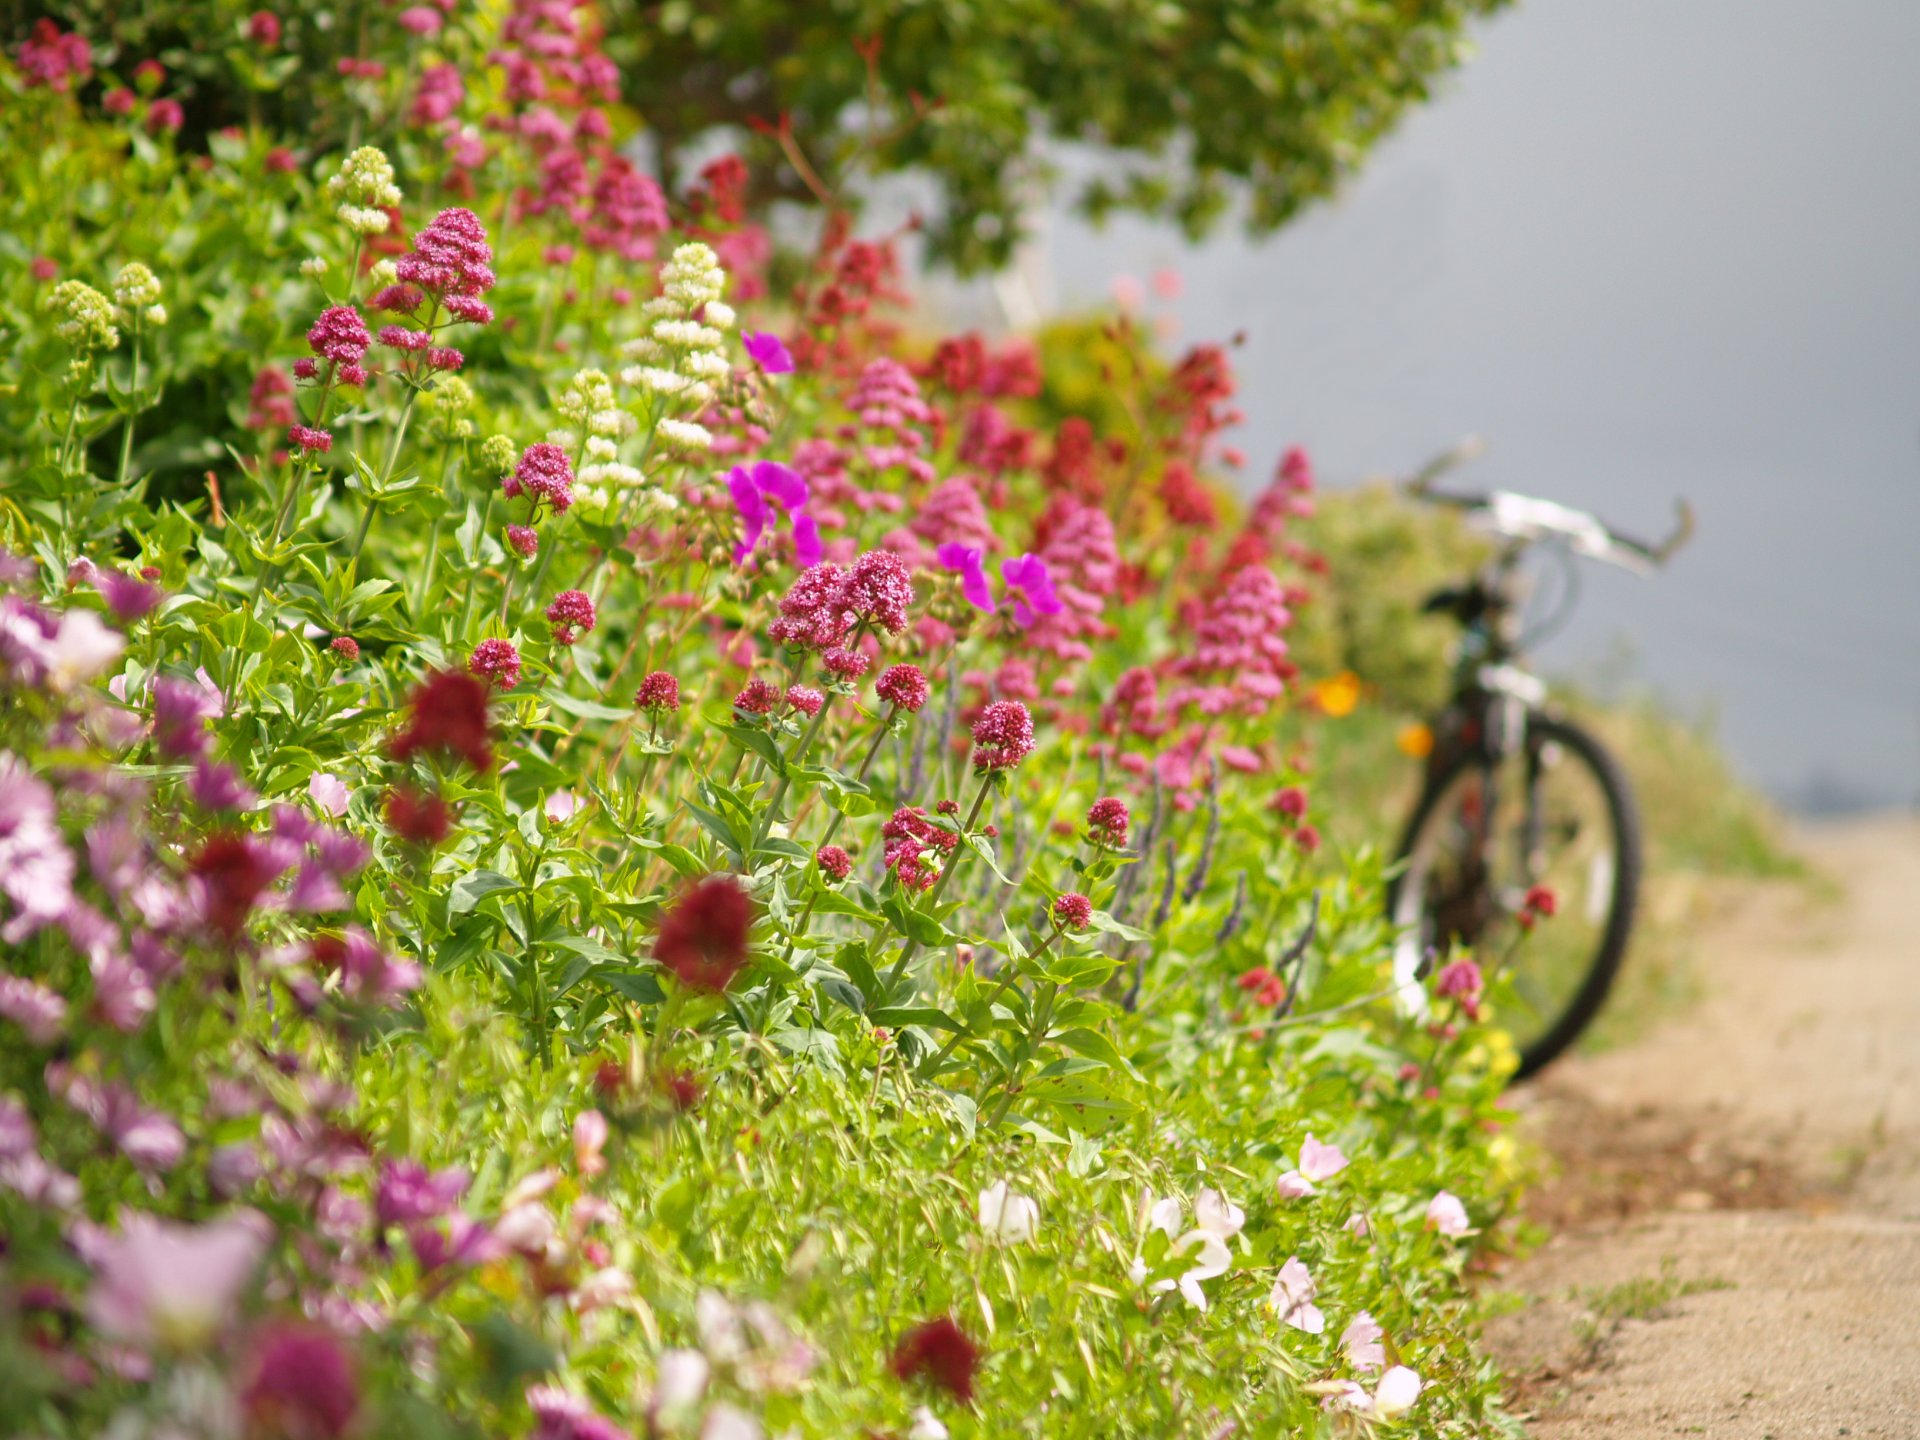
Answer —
1737 1210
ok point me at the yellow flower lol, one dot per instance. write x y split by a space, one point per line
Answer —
1339 695
1415 740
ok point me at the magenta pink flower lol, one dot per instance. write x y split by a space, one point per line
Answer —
658 692
1107 822
762 495
1031 587
263 29
218 787
524 541
805 699
813 612
367 973
903 686
39 1012
767 351
845 665
544 473
52 59
879 590
407 1192
968 561
914 846
310 440
180 713
571 615
127 596
300 1382
451 262
422 20
834 862
1002 736
1073 911
497 662
759 697
339 336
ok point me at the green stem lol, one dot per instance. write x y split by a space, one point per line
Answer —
126 434
480 539
386 474
1034 1038
1012 967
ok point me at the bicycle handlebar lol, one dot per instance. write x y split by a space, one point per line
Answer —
1523 517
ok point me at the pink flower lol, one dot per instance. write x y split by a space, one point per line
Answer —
180 713
1361 1341
339 335
1002 736
571 615
451 262
300 1382
544 473
845 665
1073 911
968 561
329 792
367 973
39 1012
306 438
812 613
1107 822
161 1283
658 692
126 595
1292 1298
52 59
903 686
1027 581
497 662
757 697
879 590
834 862
1317 1162
218 787
524 541
1447 1215
561 806
767 351
36 870
762 494
589 1140
263 29
407 1192
805 699
420 20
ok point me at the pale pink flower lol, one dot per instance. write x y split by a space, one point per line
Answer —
1356 1225
1292 1298
1447 1215
562 806
1317 1162
589 1139
329 792
1361 1341
1396 1392
158 1282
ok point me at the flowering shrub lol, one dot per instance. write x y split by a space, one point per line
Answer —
571 868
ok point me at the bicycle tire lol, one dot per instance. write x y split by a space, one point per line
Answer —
1601 971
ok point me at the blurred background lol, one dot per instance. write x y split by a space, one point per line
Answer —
1646 249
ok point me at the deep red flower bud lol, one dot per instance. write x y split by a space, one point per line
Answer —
704 938
423 819
940 1351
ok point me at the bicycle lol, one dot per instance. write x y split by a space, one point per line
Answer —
1517 796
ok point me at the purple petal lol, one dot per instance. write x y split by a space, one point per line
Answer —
1028 574
780 484
767 352
807 549
966 559
753 511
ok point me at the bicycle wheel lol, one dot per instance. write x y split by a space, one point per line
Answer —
1559 814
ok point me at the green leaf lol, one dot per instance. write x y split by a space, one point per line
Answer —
749 737
640 986
473 887
1095 1046
582 709
1103 921
896 1016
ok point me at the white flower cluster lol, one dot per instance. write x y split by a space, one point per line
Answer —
136 290
681 359
362 190
86 317
590 408
448 403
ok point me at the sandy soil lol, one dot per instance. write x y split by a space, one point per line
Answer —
1735 1220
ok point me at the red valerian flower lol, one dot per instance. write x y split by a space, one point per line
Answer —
301 1383
230 871
759 697
1461 981
659 691
423 819
366 972
1107 822
449 714
1073 911
879 590
545 473
1290 801
306 438
346 647
845 665
1542 901
497 661
571 615
524 539
1267 988
834 862
704 938
1307 837
939 1350
805 699
813 613
903 686
1002 736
